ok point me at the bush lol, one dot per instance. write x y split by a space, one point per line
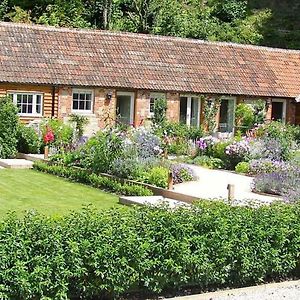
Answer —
158 176
28 140
243 167
104 254
283 183
83 176
244 117
8 128
182 173
63 133
208 162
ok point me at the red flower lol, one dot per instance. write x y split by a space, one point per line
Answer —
49 136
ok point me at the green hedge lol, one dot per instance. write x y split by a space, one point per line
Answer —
97 254
83 176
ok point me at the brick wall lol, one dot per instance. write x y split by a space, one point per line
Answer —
173 110
142 108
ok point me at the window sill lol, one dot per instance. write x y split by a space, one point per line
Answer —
31 115
83 113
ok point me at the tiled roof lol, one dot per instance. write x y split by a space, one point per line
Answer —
48 55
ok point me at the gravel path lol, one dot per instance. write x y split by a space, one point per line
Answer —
212 184
289 290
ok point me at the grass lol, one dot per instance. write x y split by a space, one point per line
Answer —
23 190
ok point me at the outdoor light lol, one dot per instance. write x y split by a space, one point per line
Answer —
297 99
109 96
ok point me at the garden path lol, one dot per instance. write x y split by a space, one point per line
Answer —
213 184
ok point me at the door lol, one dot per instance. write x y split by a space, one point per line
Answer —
297 119
125 107
278 110
226 117
190 110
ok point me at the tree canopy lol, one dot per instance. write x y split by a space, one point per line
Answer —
241 21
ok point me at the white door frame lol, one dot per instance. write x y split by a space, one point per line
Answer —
283 101
132 96
189 108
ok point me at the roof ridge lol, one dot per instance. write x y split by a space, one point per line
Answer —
145 36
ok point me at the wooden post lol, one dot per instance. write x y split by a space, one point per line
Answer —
170 181
230 188
46 152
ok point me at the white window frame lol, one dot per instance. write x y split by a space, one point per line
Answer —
283 101
234 109
132 96
189 108
155 96
15 94
83 111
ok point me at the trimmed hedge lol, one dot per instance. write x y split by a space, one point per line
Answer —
104 254
101 182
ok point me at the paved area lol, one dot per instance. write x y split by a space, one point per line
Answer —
150 200
212 184
289 290
16 163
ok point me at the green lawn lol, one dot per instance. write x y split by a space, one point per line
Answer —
22 190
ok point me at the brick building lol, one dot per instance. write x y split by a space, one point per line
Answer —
52 72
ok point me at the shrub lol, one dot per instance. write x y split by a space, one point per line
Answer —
237 152
109 253
158 176
243 167
63 133
208 162
8 127
160 110
266 165
101 150
80 122
244 117
284 183
83 176
28 140
182 173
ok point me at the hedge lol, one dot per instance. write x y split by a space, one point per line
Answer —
105 254
83 176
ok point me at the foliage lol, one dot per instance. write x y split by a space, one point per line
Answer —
208 162
28 140
80 122
211 108
266 165
237 152
160 111
107 253
182 173
243 167
210 20
284 183
244 117
157 176
63 133
8 128
101 150
83 176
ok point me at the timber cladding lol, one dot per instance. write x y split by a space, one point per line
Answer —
46 91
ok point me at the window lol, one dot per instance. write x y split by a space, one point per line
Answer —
153 98
82 101
28 103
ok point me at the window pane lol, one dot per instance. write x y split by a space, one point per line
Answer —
88 105
75 104
19 98
29 110
23 109
88 96
75 96
30 99
82 96
24 98
38 99
38 109
81 105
